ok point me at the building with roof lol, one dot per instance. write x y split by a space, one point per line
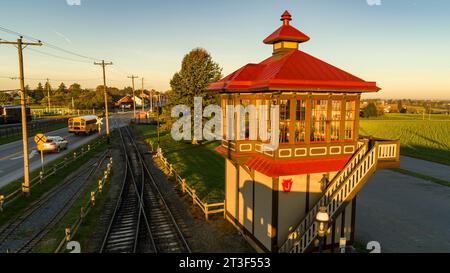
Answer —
273 194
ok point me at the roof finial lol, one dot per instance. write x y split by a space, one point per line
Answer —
286 17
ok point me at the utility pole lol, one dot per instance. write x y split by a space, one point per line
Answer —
132 77
23 96
142 96
157 110
104 64
48 96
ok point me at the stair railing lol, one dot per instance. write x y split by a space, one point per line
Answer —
340 188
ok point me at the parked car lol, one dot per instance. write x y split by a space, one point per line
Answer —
55 144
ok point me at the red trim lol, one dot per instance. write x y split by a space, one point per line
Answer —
277 168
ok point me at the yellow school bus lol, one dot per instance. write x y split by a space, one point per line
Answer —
83 125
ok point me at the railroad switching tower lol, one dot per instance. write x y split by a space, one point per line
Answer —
274 195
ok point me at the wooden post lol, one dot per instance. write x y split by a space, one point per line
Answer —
68 234
183 185
206 211
82 213
225 209
92 199
2 201
194 195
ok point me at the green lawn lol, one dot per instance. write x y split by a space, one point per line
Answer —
425 139
200 165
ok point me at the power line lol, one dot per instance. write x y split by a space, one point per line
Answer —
47 44
57 56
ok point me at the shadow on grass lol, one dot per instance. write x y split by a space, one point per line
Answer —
441 156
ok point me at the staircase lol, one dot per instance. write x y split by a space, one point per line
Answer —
341 190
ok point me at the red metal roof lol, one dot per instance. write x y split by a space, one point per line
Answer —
277 168
292 70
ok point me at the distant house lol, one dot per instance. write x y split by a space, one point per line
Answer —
127 102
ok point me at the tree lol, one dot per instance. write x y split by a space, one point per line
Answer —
5 98
371 110
198 70
38 93
400 106
61 89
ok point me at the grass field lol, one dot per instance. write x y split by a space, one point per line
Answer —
435 117
425 139
200 165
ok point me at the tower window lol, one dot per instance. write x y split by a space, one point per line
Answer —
300 121
319 120
350 118
336 118
285 120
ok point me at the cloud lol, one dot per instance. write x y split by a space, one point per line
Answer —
73 2
374 2
64 37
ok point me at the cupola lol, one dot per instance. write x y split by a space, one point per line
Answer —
286 37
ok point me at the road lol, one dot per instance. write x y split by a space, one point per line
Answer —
405 214
11 158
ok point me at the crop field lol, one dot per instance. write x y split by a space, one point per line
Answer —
425 139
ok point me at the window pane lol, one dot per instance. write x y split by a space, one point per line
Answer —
319 120
300 121
285 120
245 104
336 120
350 112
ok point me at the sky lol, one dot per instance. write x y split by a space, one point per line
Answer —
403 45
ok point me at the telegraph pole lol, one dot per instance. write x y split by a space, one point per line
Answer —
48 96
20 46
142 96
157 109
104 64
132 77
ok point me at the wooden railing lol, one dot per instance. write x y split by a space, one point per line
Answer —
207 209
71 231
388 151
343 187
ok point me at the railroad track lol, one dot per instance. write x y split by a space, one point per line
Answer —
142 220
24 242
